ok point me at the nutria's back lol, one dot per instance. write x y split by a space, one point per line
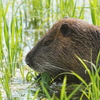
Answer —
55 52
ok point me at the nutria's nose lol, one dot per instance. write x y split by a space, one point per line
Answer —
28 60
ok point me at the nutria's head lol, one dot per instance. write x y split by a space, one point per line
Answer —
55 52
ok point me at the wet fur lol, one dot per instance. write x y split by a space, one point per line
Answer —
55 52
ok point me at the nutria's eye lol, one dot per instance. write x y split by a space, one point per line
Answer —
47 43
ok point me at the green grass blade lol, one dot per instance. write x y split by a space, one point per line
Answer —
45 91
36 95
63 90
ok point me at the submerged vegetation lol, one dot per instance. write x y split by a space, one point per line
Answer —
21 20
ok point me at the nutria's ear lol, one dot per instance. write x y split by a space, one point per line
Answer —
65 30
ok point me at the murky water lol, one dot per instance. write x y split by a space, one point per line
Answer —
18 86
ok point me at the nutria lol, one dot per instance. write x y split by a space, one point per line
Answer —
56 51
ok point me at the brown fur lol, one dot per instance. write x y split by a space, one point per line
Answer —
55 52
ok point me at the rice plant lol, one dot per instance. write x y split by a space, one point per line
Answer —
10 44
95 9
91 89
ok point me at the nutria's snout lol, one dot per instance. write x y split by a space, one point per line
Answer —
28 61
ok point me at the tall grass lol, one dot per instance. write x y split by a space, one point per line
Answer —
10 44
95 9
45 12
58 9
11 34
92 89
40 15
1 45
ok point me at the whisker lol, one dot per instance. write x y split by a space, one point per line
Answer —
49 68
